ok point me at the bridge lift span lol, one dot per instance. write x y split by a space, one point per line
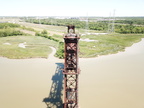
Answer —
71 69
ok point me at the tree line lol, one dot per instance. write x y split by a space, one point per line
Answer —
129 29
131 21
8 25
7 29
121 26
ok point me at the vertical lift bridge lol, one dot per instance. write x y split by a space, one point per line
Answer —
71 69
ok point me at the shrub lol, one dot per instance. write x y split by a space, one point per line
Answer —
10 32
6 25
44 33
60 51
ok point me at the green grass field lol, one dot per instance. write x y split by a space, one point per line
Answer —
107 44
38 47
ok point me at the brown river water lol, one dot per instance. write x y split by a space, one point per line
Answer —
112 81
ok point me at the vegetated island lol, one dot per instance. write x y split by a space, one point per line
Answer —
22 38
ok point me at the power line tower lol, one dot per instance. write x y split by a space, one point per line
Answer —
87 24
111 25
71 70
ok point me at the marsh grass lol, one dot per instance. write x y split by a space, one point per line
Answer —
107 44
36 47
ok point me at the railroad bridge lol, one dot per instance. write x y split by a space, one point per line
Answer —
71 69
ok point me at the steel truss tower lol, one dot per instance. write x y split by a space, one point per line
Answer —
71 70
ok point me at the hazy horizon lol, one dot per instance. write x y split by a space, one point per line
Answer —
72 8
68 16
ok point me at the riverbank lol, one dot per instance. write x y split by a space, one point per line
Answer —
112 81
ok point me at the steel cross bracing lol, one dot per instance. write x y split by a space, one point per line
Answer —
71 70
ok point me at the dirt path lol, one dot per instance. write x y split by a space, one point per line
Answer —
51 56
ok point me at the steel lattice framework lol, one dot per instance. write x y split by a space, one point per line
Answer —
71 70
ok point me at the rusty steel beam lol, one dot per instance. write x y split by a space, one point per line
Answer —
71 69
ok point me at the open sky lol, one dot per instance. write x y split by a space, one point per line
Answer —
71 7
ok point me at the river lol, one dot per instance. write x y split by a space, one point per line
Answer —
112 81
